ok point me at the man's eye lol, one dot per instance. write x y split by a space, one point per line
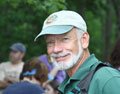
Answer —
50 43
65 38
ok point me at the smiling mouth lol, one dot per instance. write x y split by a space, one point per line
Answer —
61 58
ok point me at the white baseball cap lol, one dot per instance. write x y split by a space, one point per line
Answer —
62 22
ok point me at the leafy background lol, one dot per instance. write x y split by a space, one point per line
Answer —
22 20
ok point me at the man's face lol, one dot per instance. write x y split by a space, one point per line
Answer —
64 49
15 56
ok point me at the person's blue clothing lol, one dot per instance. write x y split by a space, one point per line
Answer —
24 88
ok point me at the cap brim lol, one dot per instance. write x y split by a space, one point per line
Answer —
54 30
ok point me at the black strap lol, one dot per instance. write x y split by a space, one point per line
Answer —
84 84
75 91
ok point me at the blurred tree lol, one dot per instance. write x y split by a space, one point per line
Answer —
99 15
21 21
108 30
116 5
92 13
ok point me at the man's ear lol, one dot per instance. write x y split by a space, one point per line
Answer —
85 40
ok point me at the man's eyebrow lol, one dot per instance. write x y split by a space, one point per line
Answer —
46 37
66 35
49 39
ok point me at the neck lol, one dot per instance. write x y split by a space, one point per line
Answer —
83 57
16 63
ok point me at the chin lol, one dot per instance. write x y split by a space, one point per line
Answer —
62 65
66 64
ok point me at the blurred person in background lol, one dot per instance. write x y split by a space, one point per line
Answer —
51 87
34 74
54 72
10 71
115 55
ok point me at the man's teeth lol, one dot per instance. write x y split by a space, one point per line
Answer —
61 56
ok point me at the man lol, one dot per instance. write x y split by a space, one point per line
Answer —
10 71
67 44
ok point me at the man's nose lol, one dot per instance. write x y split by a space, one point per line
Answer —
57 47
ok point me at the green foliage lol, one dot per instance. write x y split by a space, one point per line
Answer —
94 29
21 21
95 14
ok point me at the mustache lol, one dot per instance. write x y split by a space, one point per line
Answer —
60 54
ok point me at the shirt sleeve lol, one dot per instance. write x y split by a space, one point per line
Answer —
112 86
2 73
60 76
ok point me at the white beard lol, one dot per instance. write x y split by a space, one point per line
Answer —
69 63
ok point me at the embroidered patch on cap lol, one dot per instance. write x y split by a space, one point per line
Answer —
51 19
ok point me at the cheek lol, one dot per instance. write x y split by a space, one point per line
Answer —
12 55
49 50
73 47
17 55
76 48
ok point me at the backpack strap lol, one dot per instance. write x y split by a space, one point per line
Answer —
85 82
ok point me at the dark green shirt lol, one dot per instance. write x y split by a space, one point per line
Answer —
105 81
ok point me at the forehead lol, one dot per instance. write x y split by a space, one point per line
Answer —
16 52
71 33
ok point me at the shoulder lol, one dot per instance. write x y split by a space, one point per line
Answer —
4 64
37 88
22 63
24 87
106 73
33 86
104 76
112 86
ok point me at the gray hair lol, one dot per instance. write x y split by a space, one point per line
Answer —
79 33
